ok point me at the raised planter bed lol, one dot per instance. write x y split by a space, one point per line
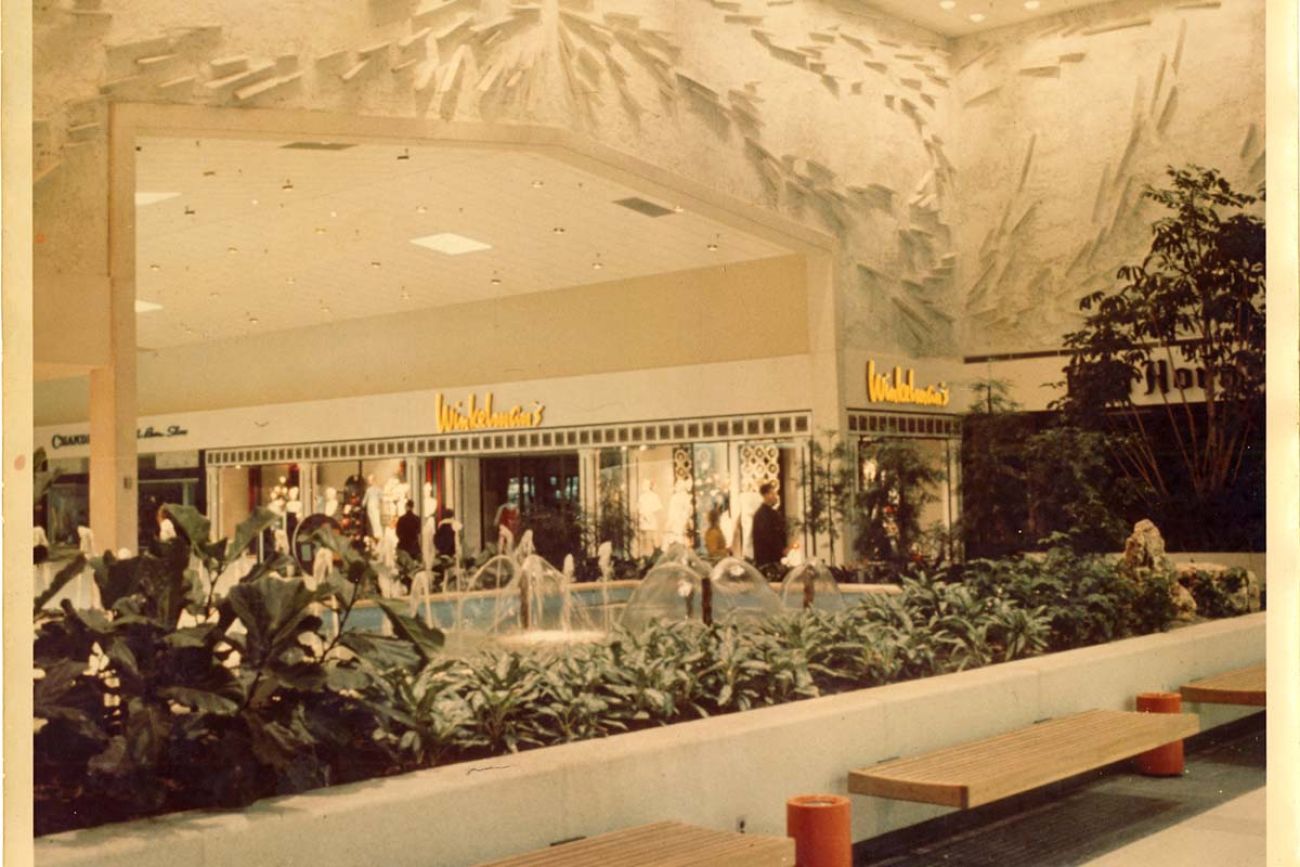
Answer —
718 772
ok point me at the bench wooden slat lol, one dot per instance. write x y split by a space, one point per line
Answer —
662 844
1242 686
978 772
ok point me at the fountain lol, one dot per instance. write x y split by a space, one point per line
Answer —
812 586
681 587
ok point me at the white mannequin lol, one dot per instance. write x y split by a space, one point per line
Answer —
321 565
648 509
430 504
331 502
391 505
278 496
293 505
679 514
371 502
427 529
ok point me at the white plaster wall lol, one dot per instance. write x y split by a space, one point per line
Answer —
1063 121
713 772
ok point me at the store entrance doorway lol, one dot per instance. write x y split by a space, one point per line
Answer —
520 491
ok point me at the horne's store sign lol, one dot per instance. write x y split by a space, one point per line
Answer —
471 415
902 388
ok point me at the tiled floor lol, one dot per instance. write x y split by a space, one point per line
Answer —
1226 836
1212 815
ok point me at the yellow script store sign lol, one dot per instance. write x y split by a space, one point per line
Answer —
459 416
902 389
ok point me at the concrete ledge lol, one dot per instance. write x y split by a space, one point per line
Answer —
716 772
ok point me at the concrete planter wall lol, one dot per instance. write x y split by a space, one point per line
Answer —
716 772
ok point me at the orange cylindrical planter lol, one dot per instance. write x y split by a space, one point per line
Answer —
819 825
1166 761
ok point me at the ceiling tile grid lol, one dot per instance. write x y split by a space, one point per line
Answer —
263 237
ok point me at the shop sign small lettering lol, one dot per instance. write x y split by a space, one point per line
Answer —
472 415
903 388
59 441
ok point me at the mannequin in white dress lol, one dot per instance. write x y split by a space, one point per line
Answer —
648 509
331 502
371 503
678 527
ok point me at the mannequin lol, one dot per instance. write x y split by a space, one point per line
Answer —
331 502
371 504
391 505
648 509
278 497
430 503
293 510
678 528
749 503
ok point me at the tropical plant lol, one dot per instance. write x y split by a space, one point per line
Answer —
828 479
1190 318
899 481
171 698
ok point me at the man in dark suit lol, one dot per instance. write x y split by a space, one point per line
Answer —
408 532
769 528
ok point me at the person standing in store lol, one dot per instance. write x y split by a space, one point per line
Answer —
769 528
408 532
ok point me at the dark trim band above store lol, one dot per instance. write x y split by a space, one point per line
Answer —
493 442
903 424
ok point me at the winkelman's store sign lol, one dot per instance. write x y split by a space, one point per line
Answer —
902 388
471 415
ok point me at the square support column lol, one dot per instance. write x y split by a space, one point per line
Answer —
114 492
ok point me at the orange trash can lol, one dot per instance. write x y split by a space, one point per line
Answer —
1166 761
819 825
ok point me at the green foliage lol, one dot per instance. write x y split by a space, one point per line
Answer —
1196 298
1072 489
898 486
147 707
172 698
1219 594
1086 598
828 478
995 506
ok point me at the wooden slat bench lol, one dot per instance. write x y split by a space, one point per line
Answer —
1242 686
982 771
662 844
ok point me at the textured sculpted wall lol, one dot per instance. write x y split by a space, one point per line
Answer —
1061 125
855 124
832 118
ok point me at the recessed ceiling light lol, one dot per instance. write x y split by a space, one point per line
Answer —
232 249
291 280
977 17
287 186
421 209
155 267
1031 5
214 294
495 281
320 230
677 209
711 247
142 306
334 213
597 265
538 184
253 320
406 296
142 199
256 202
947 4
375 264
450 244
558 230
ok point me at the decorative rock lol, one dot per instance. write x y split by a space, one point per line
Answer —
1145 548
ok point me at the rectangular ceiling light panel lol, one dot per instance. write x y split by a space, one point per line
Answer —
450 244
142 306
142 199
